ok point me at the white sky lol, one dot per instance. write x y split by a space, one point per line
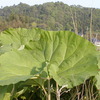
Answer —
84 3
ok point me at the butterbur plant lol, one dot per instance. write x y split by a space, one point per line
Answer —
98 75
35 57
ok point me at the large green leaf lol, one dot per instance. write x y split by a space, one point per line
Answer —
5 48
98 76
18 66
63 56
5 92
70 59
17 38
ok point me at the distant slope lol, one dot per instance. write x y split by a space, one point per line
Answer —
50 16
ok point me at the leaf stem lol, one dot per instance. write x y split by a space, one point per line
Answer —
49 95
44 90
57 92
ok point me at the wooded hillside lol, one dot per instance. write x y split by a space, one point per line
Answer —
50 16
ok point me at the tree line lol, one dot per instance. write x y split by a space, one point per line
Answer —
50 16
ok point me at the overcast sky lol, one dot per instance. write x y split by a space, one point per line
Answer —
84 3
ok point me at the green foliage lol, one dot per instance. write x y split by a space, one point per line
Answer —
3 90
36 55
49 16
98 76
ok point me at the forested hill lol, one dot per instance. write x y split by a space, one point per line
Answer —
50 16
